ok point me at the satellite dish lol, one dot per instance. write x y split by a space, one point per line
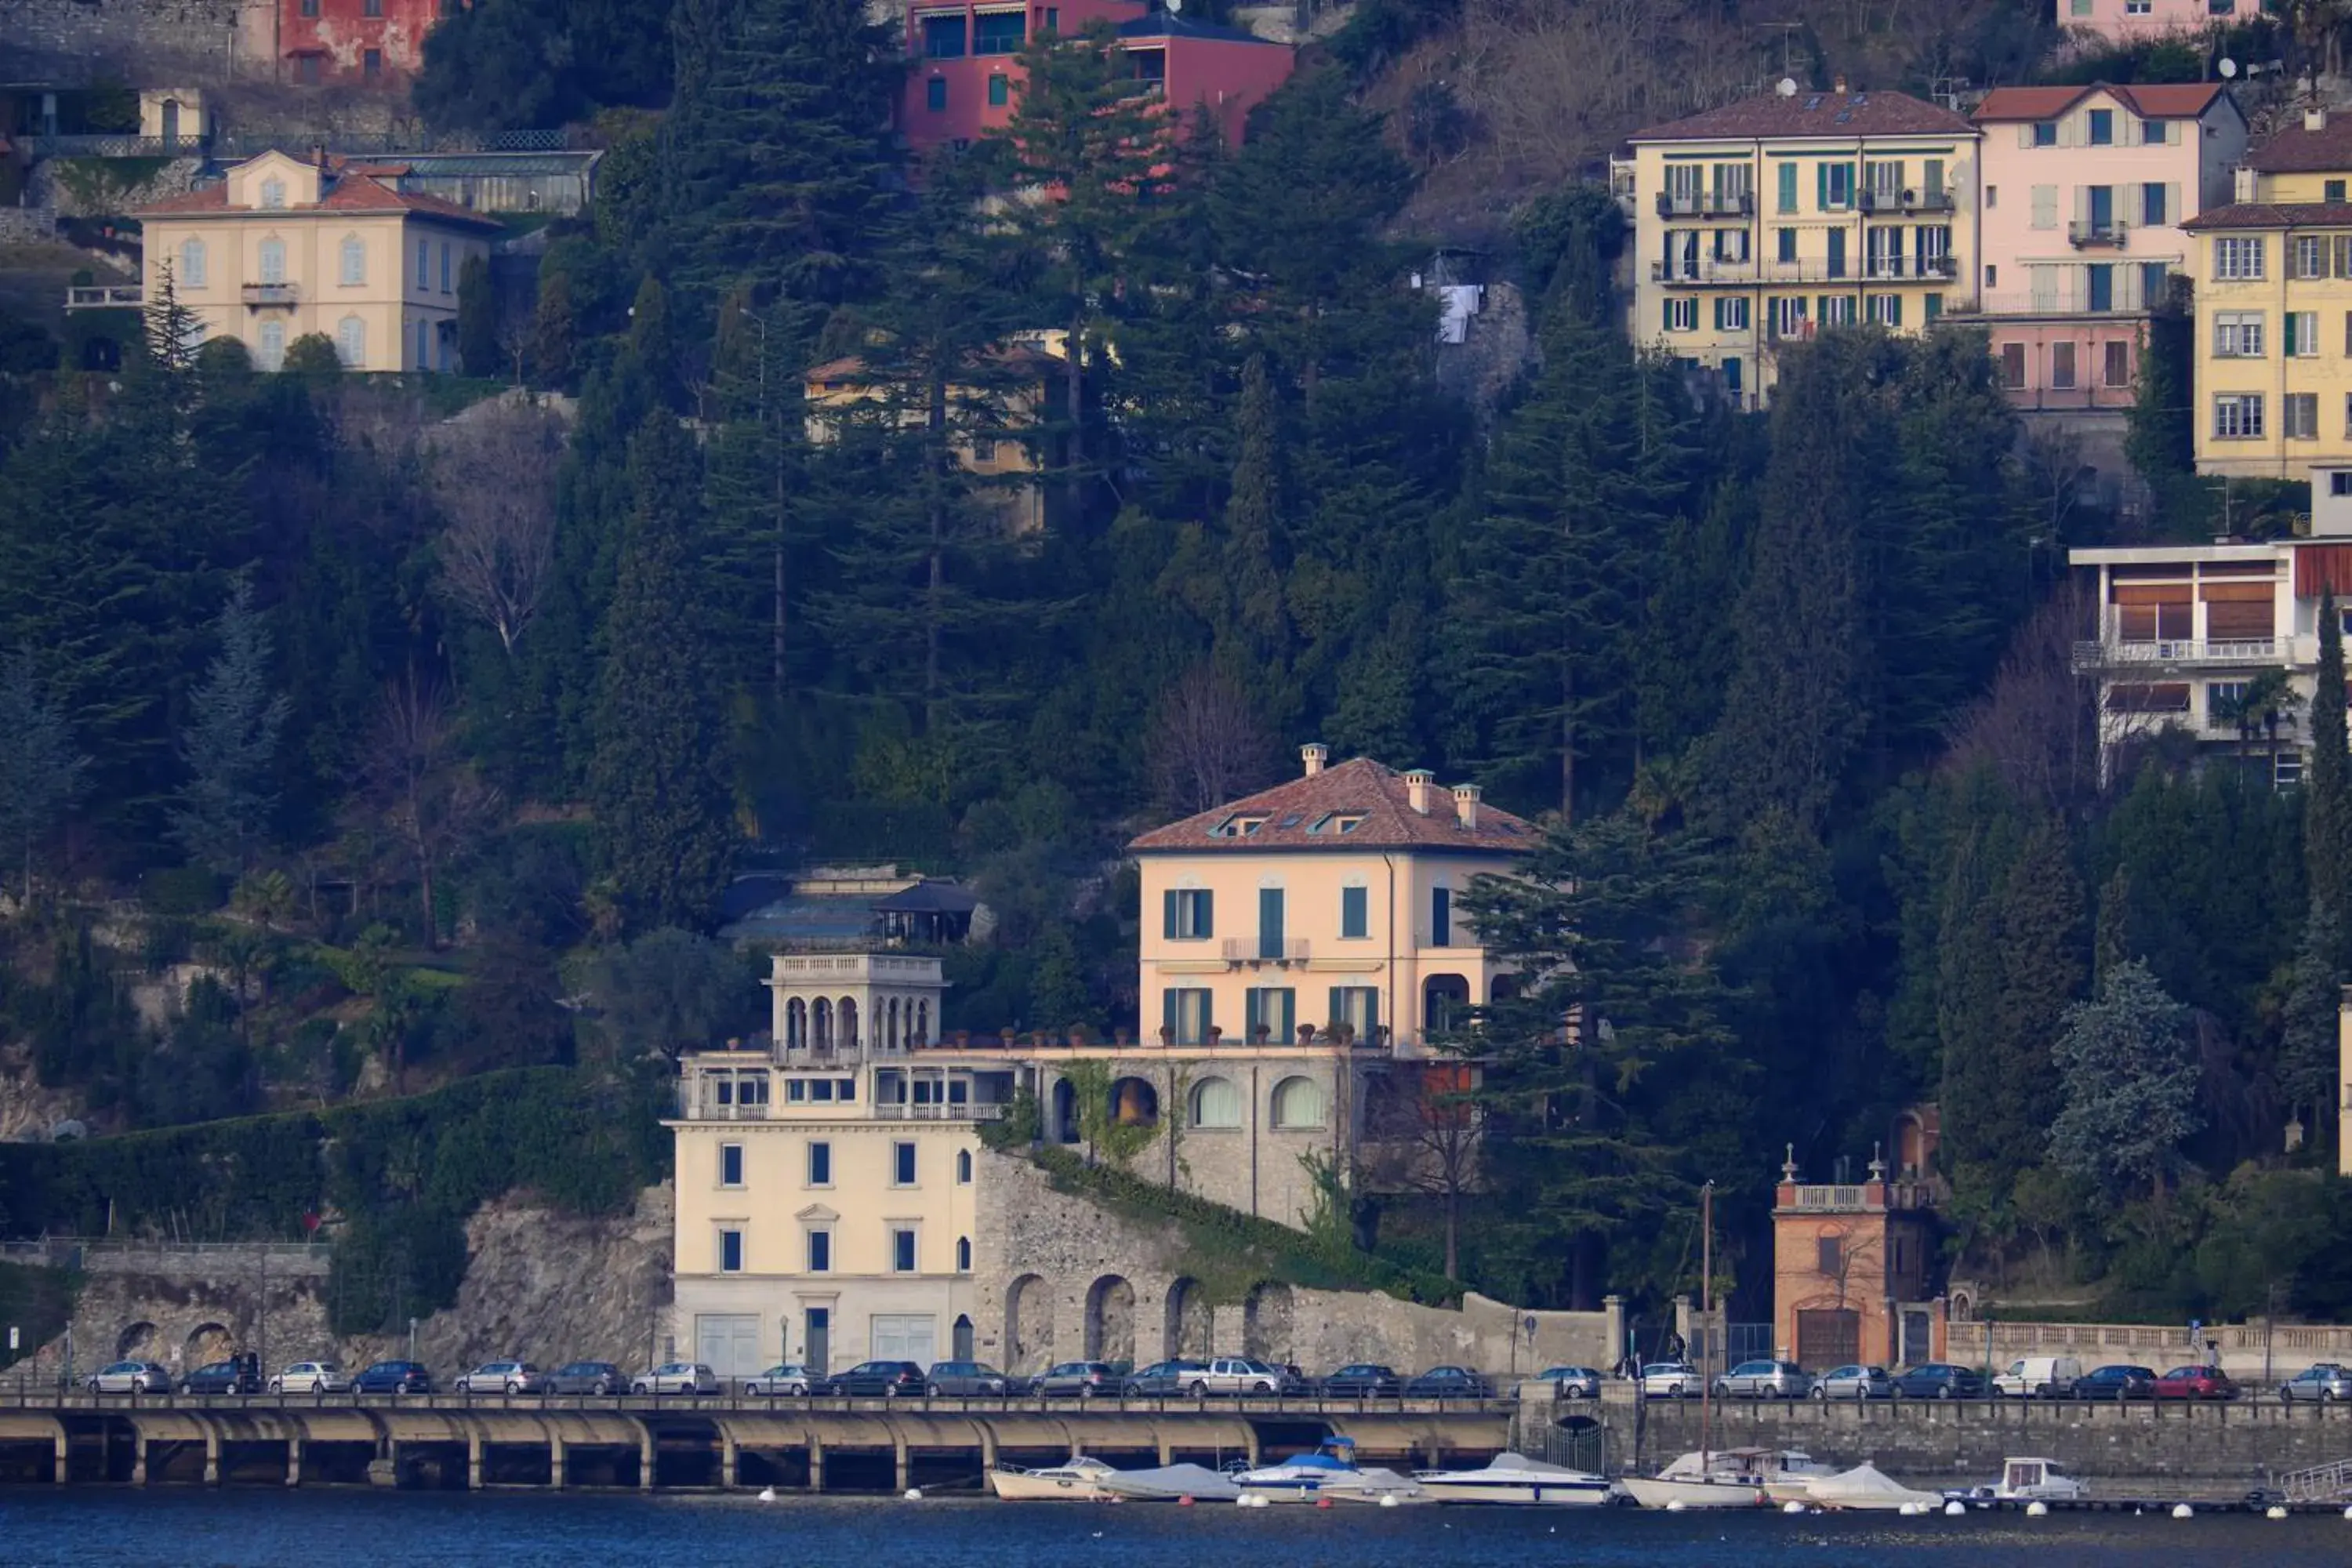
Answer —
2228 69
1787 86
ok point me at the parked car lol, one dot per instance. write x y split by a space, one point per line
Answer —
2196 1383
238 1374
597 1377
2320 1384
677 1377
312 1377
969 1378
1570 1382
2039 1377
1077 1379
1854 1383
1670 1380
1363 1379
1239 1376
785 1377
502 1377
130 1377
1163 1378
1940 1380
2116 1382
880 1380
1449 1383
1764 1380
394 1377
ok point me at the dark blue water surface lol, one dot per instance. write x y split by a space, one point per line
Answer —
314 1527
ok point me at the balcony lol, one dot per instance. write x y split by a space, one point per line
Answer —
2183 653
1707 204
1852 273
260 294
1257 950
1890 202
106 297
694 1107
968 1112
2084 235
2056 303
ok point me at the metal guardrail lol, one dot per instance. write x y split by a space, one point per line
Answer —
26 1398
2179 650
2319 1483
106 297
108 144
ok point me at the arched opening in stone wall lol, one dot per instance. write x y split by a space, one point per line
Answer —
138 1340
209 1343
1189 1320
1297 1104
1444 1004
1111 1320
1028 1325
1134 1103
963 1338
1065 1112
1265 1321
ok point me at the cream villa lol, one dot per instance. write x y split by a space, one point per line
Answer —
283 248
834 1200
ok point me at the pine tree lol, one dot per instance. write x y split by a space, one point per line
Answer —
230 743
657 779
2043 973
1257 619
2130 1079
39 770
2328 791
2308 1070
477 319
553 328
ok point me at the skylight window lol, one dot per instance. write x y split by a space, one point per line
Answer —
1240 826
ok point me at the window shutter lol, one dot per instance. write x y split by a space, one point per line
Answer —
1894 310
1821 185
1339 1009
2287 333
2082 204
1168 915
1788 179
2025 135
2172 208
1167 1011
1667 305
1208 914
1933 180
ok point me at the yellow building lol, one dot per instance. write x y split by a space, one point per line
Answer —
996 416
1762 221
2273 286
283 248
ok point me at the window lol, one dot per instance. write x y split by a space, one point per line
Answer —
1275 1009
963 1255
1836 237
309 69
2045 133
2118 366
796 1090
1298 1103
273 195
1188 914
1217 1103
350 342
423 346
2339 483
2155 283
1992 196
1053 18
2102 127
1992 276
1731 370
1837 309
1834 184
2138 7
372 7
1441 917
820 1164
1829 1256
1185 1013
2300 412
2299 336
1785 245
1788 187
192 264
1000 91
821 1090
445 266
1886 309
310 8
2153 207
1356 1007
998 32
2062 366
370 63
902 1250
2309 256
424 281
2332 190
1789 318
902 1164
2080 7
1355 911
943 38
273 345
2046 206
355 262
2013 366
731 1164
730 1251
963 1165
2238 259
820 1252
935 93
2223 699
1681 315
2237 416
1731 315
2238 334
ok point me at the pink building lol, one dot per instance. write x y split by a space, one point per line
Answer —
962 81
2082 194
2123 20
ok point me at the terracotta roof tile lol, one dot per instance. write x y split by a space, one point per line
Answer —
1807 114
2161 101
2299 151
354 192
1296 818
2275 214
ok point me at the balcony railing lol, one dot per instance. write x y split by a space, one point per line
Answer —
2119 654
2060 302
1818 270
2082 233
106 297
1707 204
1912 199
267 293
976 1111
692 1107
1257 950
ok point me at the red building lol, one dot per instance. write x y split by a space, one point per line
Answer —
322 41
961 84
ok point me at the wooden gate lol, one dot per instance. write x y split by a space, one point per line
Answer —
1827 1339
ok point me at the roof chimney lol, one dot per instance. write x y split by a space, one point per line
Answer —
1416 789
1314 753
2314 120
1465 806
1841 84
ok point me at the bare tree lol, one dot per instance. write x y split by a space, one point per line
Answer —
1206 744
426 796
1434 1127
494 477
2035 727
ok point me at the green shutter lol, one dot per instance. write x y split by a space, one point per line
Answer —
1666 314
1168 915
1932 181
1167 1011
1934 306
2287 335
1895 311
1788 186
1338 1008
1208 915
1822 186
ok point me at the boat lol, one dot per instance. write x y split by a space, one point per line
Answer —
1864 1489
1166 1483
1726 1477
1330 1471
1077 1480
1516 1479
2025 1481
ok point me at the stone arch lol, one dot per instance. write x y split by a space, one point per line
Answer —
1444 1004
796 1023
1111 1320
1217 1103
820 1024
208 1343
1066 1112
961 1339
1134 1102
1189 1320
1299 1102
1910 1146
922 1035
1265 1321
1028 1324
890 1033
963 1264
963 1168
138 1340
1503 988
845 1014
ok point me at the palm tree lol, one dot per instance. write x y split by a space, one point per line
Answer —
2268 701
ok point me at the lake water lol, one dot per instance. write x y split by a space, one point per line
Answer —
81 1526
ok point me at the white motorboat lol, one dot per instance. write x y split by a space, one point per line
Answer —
1722 1477
1864 1489
1516 1479
1330 1471
2025 1481
1079 1479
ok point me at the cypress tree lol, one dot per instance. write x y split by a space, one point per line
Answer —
477 319
230 743
2327 792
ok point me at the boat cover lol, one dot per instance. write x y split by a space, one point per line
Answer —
1866 1486
1167 1482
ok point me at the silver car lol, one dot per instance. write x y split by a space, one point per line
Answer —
130 1377
786 1378
1572 1382
677 1377
1854 1383
502 1377
1764 1380
312 1377
2324 1383
1671 1380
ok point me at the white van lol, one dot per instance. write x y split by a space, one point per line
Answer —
2040 1377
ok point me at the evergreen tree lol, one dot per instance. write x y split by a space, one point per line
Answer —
230 743
39 770
551 331
2308 1068
477 319
2328 791
2129 1078
657 779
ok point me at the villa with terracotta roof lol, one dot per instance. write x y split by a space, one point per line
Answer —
284 247
2083 192
1758 222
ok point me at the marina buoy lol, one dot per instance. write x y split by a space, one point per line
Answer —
1954 1508
1388 1499
914 1494
2276 1510
2183 1511
766 1494
1185 1501
1792 1505
1676 1506
1322 1503
1908 1510
2036 1508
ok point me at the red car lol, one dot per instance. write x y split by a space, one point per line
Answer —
2196 1383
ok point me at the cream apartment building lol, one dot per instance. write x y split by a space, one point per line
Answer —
283 248
1762 221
